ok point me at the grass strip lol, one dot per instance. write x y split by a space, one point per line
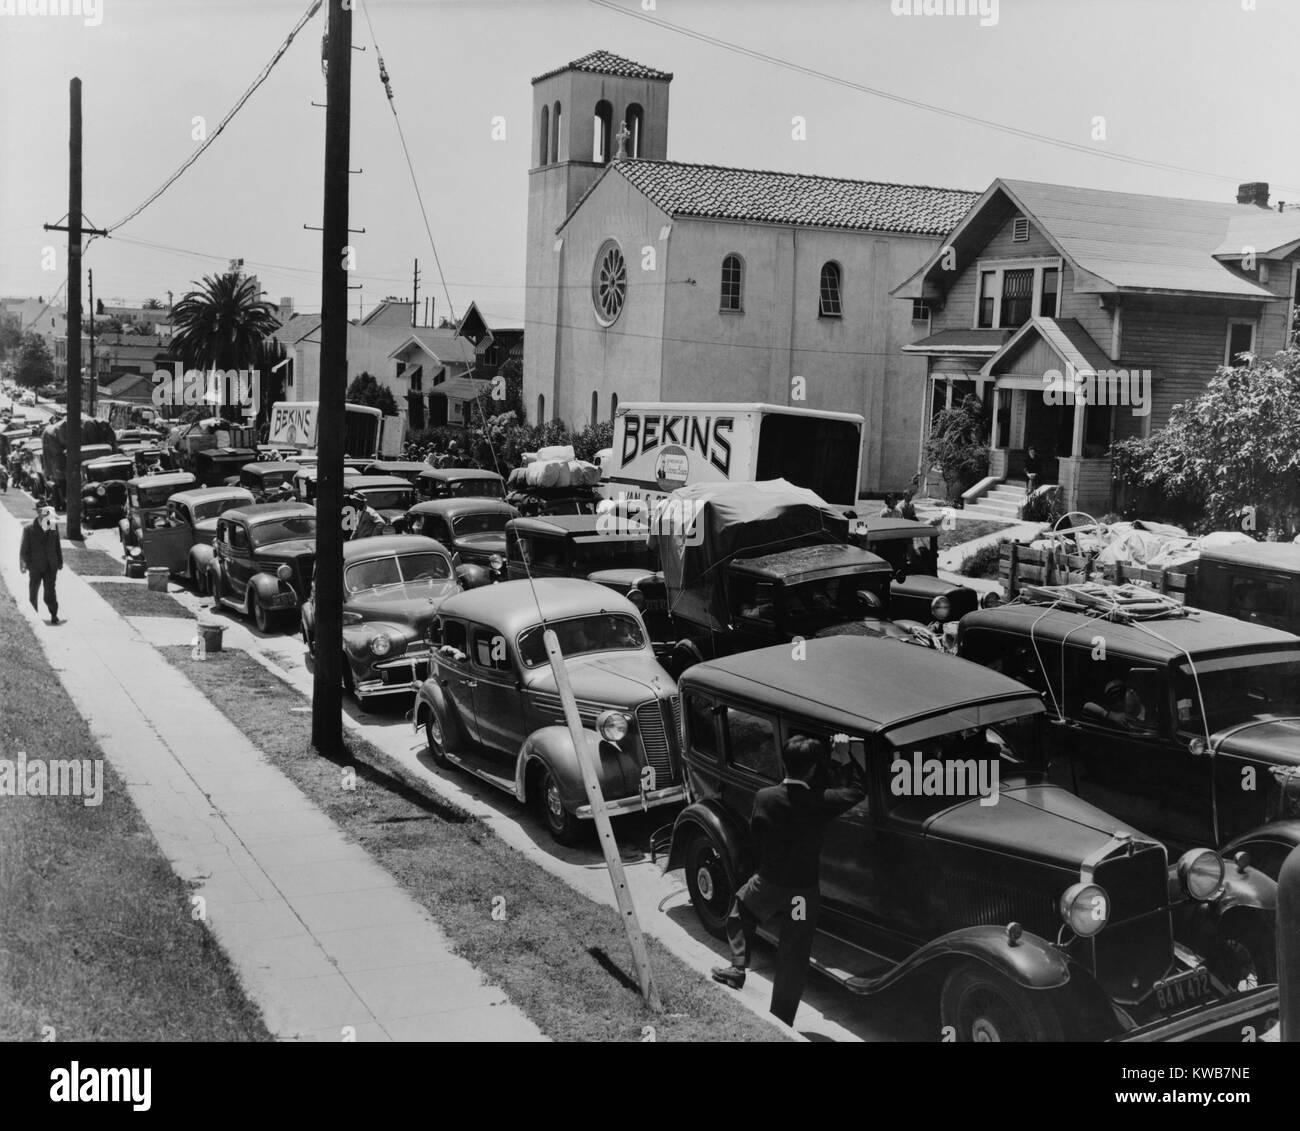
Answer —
96 938
136 599
560 957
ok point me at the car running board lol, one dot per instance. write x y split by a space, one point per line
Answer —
853 967
508 784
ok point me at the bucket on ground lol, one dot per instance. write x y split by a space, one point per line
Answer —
157 578
210 636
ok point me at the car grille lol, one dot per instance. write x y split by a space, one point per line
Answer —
1128 958
976 901
659 723
1137 884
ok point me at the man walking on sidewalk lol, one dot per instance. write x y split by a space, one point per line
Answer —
787 828
41 557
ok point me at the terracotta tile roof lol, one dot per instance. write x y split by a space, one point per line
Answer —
607 63
718 192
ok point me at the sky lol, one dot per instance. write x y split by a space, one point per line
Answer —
1182 98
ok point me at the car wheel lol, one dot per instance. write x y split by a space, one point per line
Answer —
980 1005
563 826
709 881
436 737
306 637
1248 958
262 616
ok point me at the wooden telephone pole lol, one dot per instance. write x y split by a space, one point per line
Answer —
94 384
327 690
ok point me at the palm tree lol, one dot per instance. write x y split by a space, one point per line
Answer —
152 304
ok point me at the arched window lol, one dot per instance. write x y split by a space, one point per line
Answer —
733 283
830 306
609 283
595 406
541 408
635 122
555 132
601 132
613 405
544 135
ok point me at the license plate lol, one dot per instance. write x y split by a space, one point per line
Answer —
1183 989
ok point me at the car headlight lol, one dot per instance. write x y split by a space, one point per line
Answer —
1085 908
284 573
496 561
990 600
612 726
381 644
940 608
1200 871
100 491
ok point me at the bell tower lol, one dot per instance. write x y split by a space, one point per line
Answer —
595 110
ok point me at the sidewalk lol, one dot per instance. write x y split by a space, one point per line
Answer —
324 940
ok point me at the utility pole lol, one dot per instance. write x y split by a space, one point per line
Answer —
415 292
327 690
94 384
72 427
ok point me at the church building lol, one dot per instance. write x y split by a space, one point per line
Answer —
651 279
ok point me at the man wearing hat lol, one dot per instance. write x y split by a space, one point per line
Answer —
41 557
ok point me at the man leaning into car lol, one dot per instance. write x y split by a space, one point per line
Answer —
786 829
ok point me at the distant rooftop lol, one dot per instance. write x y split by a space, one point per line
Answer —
607 63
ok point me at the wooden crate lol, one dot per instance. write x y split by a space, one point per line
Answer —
1019 565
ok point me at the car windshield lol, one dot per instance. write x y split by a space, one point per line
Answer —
389 498
1238 688
591 554
155 496
284 529
481 522
579 636
105 472
830 599
935 773
476 488
396 571
913 555
214 508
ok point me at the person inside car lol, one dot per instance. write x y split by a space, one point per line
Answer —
1123 708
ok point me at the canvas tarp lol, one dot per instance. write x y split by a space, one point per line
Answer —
703 526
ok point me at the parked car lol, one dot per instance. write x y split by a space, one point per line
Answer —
1252 581
306 478
197 511
1027 913
263 560
103 488
390 495
490 705
473 528
268 481
148 459
147 527
219 467
541 502
1182 722
458 482
410 470
574 546
392 589
138 436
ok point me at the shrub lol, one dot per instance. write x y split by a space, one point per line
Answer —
984 561
1046 504
958 445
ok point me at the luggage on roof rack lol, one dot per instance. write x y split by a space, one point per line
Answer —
1133 602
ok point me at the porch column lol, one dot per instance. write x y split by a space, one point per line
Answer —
997 435
1076 441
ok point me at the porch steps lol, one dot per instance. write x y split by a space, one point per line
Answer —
1002 501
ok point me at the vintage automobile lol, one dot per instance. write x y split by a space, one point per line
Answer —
147 528
103 488
490 705
1255 581
306 478
410 470
459 482
1180 721
574 546
219 467
393 586
268 481
544 503
390 496
148 458
1027 913
472 528
196 512
917 592
263 560
138 436
277 453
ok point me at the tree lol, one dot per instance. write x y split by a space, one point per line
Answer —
958 445
368 391
1229 458
152 304
35 366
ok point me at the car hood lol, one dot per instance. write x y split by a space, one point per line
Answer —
1039 821
483 543
411 602
1275 740
616 678
293 548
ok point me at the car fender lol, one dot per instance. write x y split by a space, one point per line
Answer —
357 637
307 613
124 530
201 558
265 587
713 820
553 747
472 576
429 697
1286 832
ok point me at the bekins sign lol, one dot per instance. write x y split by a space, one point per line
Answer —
708 435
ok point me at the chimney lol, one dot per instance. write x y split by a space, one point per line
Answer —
286 307
1255 192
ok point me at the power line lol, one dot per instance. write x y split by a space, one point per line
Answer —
257 82
914 103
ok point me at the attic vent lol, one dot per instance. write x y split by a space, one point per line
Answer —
1020 229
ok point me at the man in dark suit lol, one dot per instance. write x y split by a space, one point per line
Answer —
786 829
41 557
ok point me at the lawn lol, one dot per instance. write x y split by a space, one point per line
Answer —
968 529
136 599
560 957
96 938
